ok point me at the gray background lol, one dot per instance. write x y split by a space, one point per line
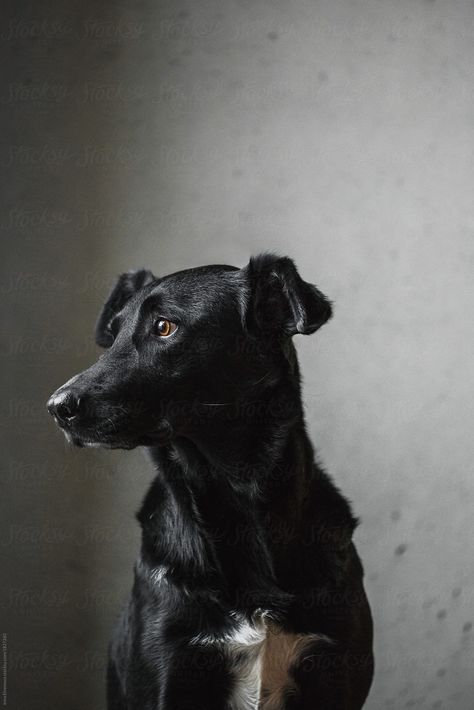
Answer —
174 134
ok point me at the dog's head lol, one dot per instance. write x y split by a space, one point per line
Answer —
179 349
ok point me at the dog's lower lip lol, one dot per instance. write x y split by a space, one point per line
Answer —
84 443
87 444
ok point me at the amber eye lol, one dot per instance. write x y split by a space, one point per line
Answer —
164 327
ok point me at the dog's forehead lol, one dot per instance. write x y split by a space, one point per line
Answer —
213 276
199 286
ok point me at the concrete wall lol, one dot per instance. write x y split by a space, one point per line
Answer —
175 134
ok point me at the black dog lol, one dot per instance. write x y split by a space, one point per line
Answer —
248 589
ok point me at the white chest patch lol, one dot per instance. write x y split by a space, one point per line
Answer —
243 646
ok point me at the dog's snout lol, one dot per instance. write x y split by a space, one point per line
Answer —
64 406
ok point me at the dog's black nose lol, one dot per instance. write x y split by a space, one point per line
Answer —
64 406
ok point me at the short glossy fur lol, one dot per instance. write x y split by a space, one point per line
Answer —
248 589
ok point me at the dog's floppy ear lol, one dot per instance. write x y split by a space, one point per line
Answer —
126 286
279 299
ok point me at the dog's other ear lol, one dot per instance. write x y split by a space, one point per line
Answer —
280 300
127 284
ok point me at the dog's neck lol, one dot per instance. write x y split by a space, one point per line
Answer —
227 509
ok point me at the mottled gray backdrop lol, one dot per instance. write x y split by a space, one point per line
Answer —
171 134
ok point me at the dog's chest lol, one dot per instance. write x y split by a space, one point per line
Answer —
243 647
259 656
245 654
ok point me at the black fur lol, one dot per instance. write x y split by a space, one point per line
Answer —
240 517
